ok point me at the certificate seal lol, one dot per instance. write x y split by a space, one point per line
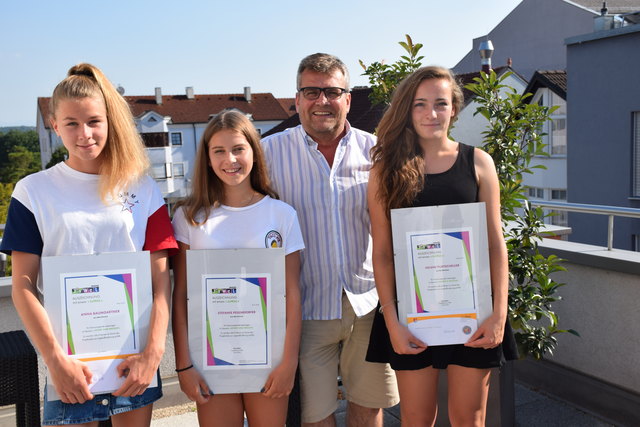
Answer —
466 330
273 239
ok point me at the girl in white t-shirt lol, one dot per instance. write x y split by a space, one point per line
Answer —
233 206
99 200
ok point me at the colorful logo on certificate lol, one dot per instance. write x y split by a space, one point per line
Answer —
466 330
273 240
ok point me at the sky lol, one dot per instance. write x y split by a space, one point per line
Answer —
219 47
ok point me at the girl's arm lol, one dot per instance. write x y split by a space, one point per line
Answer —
71 378
191 382
402 340
141 368
280 381
491 331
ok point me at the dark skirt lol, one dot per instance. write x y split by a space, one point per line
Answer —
381 351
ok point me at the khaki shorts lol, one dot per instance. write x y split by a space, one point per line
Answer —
330 348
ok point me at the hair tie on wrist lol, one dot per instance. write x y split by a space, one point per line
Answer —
184 369
393 301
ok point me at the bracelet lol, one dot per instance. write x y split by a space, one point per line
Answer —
184 369
393 301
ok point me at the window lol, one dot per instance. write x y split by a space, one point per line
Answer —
178 170
558 133
636 154
535 193
559 195
176 138
161 170
155 139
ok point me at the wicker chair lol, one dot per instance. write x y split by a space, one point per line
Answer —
19 377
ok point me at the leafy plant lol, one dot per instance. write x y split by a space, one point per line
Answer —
385 77
512 139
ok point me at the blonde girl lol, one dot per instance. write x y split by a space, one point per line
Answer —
232 205
415 163
98 200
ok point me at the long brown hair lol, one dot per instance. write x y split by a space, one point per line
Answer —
207 189
397 154
123 159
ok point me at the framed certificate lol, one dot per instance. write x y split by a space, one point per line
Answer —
99 307
236 316
443 279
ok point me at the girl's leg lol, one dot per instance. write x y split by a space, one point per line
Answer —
468 393
265 412
137 417
418 397
223 410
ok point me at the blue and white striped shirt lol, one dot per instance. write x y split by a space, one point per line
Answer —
332 207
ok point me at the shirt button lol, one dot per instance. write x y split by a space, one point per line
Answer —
104 402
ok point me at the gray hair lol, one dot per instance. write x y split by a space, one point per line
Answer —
323 63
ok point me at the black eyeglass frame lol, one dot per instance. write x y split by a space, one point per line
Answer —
323 90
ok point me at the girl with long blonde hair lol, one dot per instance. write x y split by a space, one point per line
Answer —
99 200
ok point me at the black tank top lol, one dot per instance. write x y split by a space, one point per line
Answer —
456 185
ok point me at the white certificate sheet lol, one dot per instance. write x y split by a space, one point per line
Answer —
237 316
236 320
442 271
99 307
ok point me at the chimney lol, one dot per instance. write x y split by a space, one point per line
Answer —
159 96
189 90
486 50
247 93
509 62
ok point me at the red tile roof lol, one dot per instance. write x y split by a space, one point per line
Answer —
263 106
288 104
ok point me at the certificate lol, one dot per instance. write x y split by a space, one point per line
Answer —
236 320
236 313
99 307
442 271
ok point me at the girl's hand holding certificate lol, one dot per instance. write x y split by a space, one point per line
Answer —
71 378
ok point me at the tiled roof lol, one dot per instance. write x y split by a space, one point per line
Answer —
263 106
614 6
556 80
288 104
362 114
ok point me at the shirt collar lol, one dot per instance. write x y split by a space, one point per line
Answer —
311 143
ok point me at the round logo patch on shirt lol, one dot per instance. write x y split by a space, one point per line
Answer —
273 240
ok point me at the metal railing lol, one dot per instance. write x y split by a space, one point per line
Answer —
610 211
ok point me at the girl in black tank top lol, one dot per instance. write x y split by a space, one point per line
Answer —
403 160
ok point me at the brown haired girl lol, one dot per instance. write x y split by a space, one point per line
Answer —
231 206
416 164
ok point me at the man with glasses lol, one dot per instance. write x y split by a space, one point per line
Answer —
321 168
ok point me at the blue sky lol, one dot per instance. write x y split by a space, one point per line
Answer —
219 47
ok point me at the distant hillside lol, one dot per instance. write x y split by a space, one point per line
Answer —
20 128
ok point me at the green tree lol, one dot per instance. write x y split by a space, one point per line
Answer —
385 77
60 154
21 163
513 139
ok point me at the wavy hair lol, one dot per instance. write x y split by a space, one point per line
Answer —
208 190
397 154
123 159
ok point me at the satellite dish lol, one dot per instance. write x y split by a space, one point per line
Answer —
120 90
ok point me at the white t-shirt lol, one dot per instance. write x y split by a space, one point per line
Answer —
58 211
265 224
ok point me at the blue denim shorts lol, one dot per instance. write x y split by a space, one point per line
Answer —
100 408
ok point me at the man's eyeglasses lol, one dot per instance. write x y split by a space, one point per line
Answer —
312 93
